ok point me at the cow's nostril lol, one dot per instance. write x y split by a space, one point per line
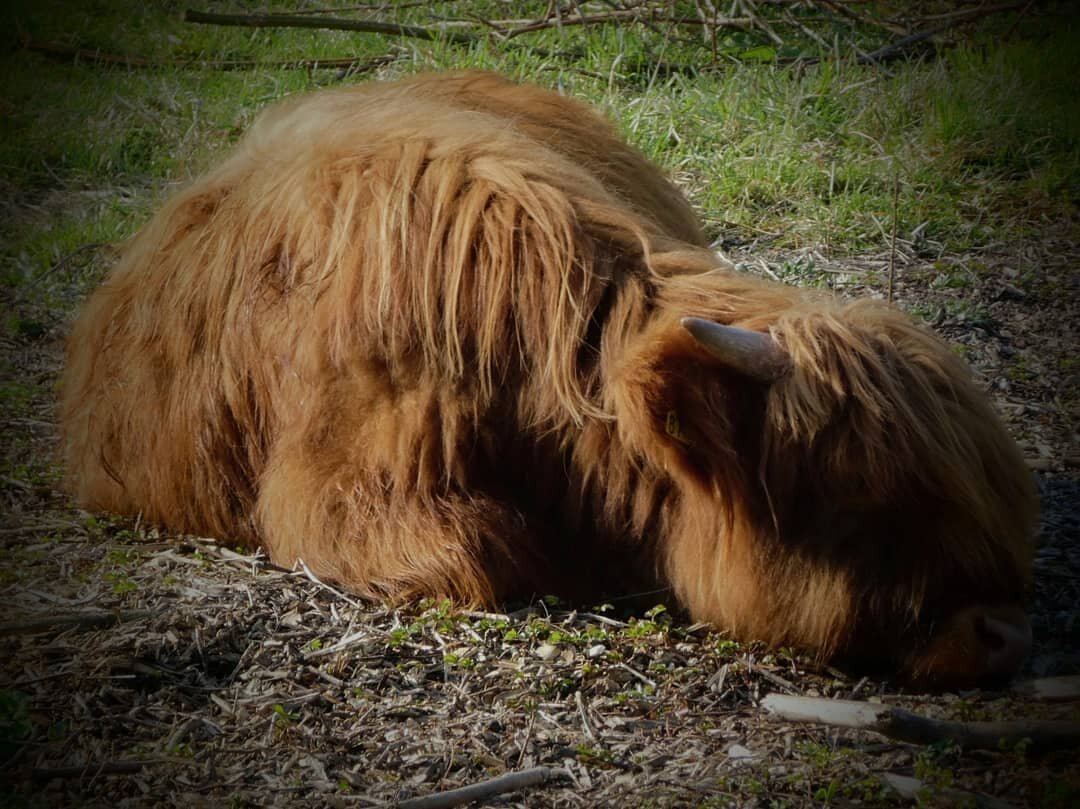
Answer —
991 639
1007 643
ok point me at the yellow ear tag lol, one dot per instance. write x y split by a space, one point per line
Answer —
672 427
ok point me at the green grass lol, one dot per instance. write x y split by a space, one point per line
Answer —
983 142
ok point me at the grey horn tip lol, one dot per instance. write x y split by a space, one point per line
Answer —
752 353
692 323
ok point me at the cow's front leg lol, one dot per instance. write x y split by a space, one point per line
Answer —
354 529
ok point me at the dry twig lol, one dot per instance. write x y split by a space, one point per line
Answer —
586 725
509 782
302 565
759 22
844 10
641 15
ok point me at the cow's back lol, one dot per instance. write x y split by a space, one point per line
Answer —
428 228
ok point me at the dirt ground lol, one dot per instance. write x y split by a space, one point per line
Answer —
143 669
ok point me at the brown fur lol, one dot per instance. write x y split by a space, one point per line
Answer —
425 335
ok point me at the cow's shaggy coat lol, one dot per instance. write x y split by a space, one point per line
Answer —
427 336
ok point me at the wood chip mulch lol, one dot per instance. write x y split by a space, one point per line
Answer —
143 669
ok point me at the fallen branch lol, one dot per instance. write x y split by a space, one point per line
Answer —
844 10
379 5
1051 689
329 23
896 723
896 49
83 620
59 51
509 782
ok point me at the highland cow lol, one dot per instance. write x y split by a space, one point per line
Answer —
450 336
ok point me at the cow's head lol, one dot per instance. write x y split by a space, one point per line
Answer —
868 503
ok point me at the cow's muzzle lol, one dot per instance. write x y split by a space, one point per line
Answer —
976 644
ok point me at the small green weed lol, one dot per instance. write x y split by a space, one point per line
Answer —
121 583
592 755
122 556
818 755
932 765
283 715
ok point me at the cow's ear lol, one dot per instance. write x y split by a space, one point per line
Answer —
692 394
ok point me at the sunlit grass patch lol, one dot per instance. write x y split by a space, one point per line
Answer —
971 147
54 257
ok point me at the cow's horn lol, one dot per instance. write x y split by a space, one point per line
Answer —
752 353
